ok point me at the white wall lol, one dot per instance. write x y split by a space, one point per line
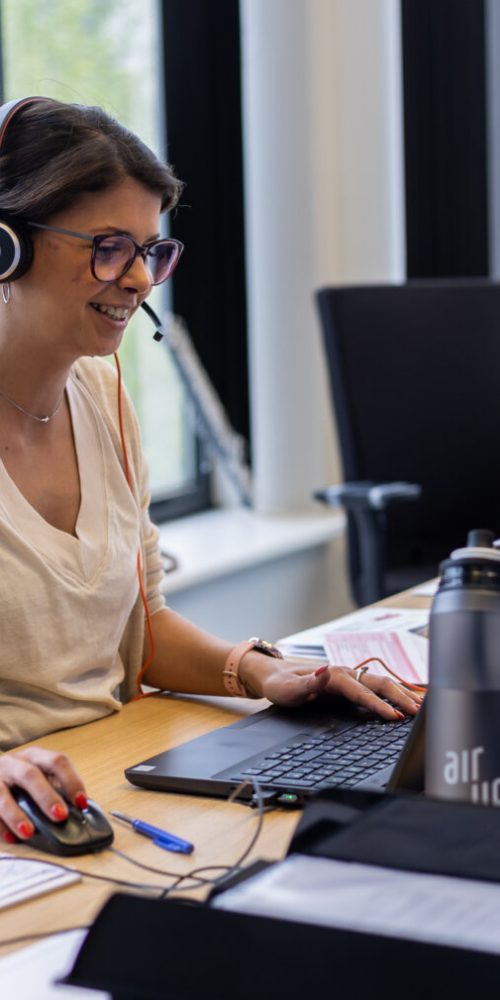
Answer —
324 204
272 599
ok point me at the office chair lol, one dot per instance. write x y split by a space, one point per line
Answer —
414 373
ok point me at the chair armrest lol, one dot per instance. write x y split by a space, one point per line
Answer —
365 495
366 504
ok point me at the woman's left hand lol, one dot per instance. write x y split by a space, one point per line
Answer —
290 684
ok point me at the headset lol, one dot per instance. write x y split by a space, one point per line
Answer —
16 246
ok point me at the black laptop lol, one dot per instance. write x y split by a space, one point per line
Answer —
292 753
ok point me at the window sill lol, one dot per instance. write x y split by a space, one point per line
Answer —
219 542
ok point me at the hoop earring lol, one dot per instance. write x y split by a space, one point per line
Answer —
6 292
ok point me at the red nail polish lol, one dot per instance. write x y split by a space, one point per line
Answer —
9 837
320 670
81 800
25 829
400 715
58 811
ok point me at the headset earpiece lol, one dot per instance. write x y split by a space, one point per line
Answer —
16 250
16 247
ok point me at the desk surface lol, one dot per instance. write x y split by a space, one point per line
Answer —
101 750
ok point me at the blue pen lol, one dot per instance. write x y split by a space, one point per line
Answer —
168 841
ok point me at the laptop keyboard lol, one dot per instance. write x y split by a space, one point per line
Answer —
339 758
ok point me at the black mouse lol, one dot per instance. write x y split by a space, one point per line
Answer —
84 831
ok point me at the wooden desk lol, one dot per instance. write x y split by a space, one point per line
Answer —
100 751
219 830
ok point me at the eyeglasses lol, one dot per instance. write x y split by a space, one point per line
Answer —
112 256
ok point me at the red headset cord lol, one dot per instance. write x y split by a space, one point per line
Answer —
421 688
149 659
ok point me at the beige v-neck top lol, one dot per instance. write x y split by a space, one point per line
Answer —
72 621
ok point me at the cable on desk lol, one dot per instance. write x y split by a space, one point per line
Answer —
232 869
260 817
194 874
161 871
101 878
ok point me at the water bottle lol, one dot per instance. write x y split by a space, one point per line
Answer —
462 753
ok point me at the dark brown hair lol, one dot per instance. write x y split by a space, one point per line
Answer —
53 152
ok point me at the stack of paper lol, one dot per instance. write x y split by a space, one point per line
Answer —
396 636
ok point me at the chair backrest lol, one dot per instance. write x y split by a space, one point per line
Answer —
415 378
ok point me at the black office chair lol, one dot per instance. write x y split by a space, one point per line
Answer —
415 379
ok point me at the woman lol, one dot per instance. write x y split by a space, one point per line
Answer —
81 199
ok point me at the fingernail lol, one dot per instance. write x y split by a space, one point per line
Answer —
320 670
9 837
25 829
400 715
58 811
81 800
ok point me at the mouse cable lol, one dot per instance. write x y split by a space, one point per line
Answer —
79 871
162 871
195 874
165 872
141 886
233 869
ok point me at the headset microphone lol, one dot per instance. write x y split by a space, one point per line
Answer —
156 320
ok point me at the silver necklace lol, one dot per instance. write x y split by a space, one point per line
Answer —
40 420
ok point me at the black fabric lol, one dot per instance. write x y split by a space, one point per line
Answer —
404 831
143 949
414 373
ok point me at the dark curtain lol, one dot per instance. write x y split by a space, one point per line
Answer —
443 44
203 107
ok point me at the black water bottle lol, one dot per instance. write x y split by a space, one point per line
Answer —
462 757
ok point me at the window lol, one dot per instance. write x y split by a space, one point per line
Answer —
107 53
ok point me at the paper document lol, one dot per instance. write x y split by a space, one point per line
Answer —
404 653
398 636
30 974
381 620
366 619
435 908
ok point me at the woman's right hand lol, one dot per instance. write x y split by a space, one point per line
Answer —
47 776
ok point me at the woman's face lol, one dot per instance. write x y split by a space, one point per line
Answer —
76 314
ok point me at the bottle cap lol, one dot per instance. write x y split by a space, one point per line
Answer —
480 537
480 545
475 565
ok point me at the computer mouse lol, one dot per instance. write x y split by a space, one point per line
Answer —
84 831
